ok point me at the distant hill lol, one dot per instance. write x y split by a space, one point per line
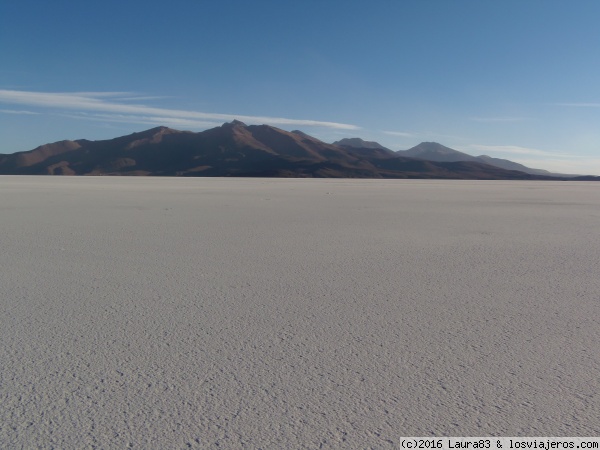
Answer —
365 148
511 165
359 143
236 149
432 151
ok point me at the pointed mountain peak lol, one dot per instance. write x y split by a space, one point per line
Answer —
300 133
434 146
152 136
433 151
234 123
165 130
303 136
153 132
359 143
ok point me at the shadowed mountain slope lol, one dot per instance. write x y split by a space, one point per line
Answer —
236 149
360 147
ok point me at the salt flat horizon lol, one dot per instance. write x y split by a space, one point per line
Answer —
288 313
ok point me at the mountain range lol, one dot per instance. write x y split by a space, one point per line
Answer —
432 151
237 149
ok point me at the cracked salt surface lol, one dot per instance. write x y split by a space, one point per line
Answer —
271 313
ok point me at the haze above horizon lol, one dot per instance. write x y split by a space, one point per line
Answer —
512 79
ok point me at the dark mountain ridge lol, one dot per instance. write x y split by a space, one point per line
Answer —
236 149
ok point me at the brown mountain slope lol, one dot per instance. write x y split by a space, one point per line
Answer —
234 149
37 155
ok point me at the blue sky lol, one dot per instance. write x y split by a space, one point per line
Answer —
516 79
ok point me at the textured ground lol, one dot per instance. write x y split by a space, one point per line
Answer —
165 313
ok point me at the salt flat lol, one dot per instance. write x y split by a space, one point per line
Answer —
290 313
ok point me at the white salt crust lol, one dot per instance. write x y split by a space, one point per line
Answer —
295 313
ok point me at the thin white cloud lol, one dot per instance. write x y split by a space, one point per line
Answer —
15 111
108 102
516 150
580 166
398 133
140 97
143 120
541 159
96 93
498 119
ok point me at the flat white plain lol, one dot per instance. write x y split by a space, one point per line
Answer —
288 313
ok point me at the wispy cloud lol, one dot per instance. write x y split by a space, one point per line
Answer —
516 150
15 111
398 133
498 119
143 120
582 166
541 159
111 103
137 98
